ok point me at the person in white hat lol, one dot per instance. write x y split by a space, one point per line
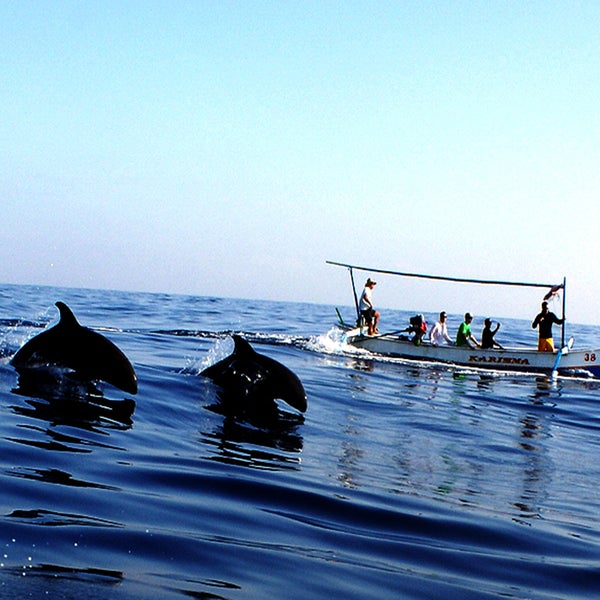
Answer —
366 308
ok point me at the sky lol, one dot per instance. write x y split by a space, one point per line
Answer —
230 148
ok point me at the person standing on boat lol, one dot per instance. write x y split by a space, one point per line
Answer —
366 308
439 333
487 335
464 337
544 320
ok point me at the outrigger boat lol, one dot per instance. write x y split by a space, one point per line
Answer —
564 361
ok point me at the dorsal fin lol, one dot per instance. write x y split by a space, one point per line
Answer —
242 347
67 317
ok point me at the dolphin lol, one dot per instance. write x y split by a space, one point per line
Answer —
251 381
69 345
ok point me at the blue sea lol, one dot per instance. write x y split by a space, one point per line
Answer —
401 480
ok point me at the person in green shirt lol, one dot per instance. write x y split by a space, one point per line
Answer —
464 337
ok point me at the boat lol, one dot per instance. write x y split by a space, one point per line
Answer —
564 361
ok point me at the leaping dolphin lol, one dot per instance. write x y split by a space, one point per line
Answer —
69 345
251 382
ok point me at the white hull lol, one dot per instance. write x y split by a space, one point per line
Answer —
573 362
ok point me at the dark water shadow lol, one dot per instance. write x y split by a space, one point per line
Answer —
38 576
269 439
50 518
58 477
56 397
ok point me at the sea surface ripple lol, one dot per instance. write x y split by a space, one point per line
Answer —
402 480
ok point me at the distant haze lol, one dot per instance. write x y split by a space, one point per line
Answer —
231 148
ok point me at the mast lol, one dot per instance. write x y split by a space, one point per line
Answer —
354 292
564 304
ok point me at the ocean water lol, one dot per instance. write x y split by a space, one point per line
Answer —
400 481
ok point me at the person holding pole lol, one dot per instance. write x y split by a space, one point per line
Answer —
544 320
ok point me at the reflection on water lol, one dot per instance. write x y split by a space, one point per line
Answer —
39 579
91 414
57 519
55 476
264 443
351 456
66 401
537 468
451 435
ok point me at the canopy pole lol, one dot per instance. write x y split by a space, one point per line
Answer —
564 304
354 292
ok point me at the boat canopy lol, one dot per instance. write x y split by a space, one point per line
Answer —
553 288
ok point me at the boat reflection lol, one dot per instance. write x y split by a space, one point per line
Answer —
537 467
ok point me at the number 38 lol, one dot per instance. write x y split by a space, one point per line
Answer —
590 357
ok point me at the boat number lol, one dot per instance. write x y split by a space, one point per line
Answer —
590 357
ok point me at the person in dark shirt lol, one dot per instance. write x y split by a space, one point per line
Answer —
544 320
487 335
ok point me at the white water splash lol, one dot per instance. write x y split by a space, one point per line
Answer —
221 348
332 342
